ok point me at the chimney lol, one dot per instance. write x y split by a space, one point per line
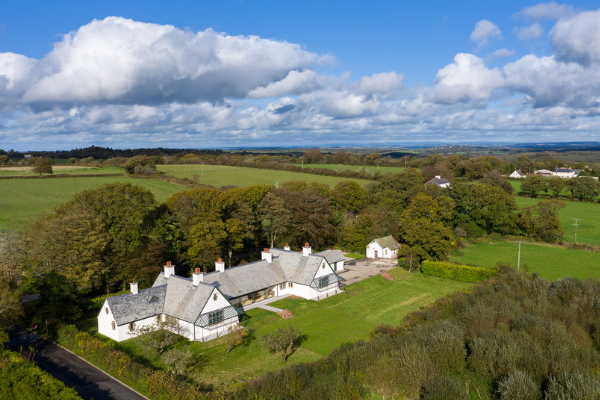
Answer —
134 287
265 255
220 265
438 177
169 269
197 277
306 250
287 247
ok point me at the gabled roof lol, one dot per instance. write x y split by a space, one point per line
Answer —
184 300
543 171
567 170
298 268
332 256
518 172
247 278
130 307
387 241
438 181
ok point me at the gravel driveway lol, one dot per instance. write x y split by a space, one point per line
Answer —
366 268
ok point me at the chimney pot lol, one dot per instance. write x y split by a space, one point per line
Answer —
220 260
287 247
168 263
306 244
266 250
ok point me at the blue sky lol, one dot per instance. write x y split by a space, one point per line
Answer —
310 73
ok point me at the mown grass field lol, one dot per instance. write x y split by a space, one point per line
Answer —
23 200
588 230
346 317
220 175
551 262
368 168
60 170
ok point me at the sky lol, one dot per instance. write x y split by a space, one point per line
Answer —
218 74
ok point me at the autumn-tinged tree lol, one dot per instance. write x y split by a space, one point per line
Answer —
340 157
275 217
542 222
313 156
283 341
43 165
236 335
349 196
371 223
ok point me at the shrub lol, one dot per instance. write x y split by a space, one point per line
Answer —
573 387
457 272
517 385
445 388
444 342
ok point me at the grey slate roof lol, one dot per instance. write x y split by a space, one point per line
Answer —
565 170
129 307
387 241
184 300
437 181
296 267
332 256
247 278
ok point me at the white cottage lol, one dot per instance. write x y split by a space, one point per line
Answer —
385 247
439 181
206 305
566 173
517 174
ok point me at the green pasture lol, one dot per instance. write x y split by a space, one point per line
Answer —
368 168
23 200
588 230
61 170
346 317
219 175
551 262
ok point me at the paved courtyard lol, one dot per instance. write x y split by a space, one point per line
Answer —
366 268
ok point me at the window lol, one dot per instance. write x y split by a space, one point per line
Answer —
323 266
132 326
158 319
290 285
215 297
114 326
215 317
171 320
106 309
324 281
282 286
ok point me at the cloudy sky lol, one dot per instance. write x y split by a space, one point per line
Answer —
296 73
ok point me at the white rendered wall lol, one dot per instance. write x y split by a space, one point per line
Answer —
105 322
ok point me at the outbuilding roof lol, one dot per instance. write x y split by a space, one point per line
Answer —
387 241
184 300
130 307
438 181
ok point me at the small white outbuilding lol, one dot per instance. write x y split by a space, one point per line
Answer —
385 247
517 174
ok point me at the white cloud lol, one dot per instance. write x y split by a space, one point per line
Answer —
464 80
484 31
381 84
503 53
577 39
551 11
529 32
124 61
296 82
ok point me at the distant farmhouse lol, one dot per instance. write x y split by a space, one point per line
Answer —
385 247
544 172
439 181
204 306
517 174
559 172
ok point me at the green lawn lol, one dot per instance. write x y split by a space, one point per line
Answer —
549 261
23 200
368 168
328 323
588 230
61 170
219 175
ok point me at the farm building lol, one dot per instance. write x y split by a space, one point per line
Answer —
517 174
544 172
385 247
566 173
204 306
439 181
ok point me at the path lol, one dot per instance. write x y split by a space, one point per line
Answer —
264 304
89 381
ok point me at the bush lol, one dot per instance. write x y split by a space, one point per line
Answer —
457 272
573 387
518 386
445 388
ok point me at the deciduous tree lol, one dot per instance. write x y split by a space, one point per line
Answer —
283 341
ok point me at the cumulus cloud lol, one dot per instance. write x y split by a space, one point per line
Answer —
529 32
577 39
119 60
380 84
484 31
464 80
503 53
550 11
296 82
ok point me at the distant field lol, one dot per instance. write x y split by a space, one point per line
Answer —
23 200
219 175
60 170
588 230
548 261
368 168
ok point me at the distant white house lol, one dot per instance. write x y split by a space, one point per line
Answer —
206 305
517 174
566 173
439 181
385 247
544 172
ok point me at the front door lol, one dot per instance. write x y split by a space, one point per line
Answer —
376 255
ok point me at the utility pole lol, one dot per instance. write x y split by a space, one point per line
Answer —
276 184
576 225
519 256
202 169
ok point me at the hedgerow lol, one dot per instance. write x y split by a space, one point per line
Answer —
457 272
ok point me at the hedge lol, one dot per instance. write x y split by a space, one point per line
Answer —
457 272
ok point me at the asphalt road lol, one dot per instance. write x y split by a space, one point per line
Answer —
89 382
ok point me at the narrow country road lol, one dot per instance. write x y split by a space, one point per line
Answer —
89 382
